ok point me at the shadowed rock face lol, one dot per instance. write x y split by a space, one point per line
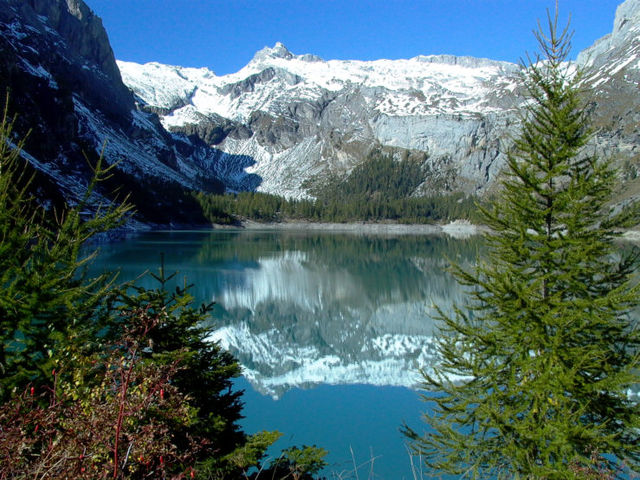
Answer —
65 86
82 53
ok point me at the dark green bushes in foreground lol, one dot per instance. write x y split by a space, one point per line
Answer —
105 381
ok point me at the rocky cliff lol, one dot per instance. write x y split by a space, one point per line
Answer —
613 77
64 85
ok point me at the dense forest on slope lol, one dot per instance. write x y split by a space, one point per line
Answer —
379 189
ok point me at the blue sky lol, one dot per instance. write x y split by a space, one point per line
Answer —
223 35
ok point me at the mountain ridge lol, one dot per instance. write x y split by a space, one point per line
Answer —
284 123
333 113
303 118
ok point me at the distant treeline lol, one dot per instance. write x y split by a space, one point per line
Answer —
379 189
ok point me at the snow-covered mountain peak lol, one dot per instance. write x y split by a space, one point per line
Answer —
466 77
391 74
299 117
427 84
282 107
277 51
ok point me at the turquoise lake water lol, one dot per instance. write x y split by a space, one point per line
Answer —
330 329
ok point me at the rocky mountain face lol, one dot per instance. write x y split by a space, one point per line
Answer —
613 77
284 123
301 118
66 89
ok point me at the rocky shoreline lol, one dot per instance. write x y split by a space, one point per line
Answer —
459 229
456 229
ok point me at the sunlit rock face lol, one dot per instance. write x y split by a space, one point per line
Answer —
612 81
298 317
301 117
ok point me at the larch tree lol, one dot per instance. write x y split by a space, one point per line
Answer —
536 370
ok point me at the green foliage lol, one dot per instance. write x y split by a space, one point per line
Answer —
206 370
120 427
378 189
302 462
45 293
382 188
205 374
534 372
378 176
99 380
244 458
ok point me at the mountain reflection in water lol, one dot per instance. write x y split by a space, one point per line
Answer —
299 309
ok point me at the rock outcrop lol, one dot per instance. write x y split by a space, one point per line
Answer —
66 89
612 80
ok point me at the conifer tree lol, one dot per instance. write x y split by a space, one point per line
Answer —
47 298
535 370
206 371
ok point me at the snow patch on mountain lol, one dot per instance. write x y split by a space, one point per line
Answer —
283 171
459 87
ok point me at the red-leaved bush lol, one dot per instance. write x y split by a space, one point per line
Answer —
114 420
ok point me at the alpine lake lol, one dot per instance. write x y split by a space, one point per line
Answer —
331 329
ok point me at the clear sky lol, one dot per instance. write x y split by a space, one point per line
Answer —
223 35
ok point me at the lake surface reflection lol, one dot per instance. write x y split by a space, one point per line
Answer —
351 315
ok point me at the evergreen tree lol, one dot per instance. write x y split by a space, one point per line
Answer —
206 371
47 300
534 372
204 378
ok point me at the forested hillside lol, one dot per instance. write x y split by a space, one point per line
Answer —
379 189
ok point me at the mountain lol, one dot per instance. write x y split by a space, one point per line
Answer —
302 119
67 91
284 123
613 63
